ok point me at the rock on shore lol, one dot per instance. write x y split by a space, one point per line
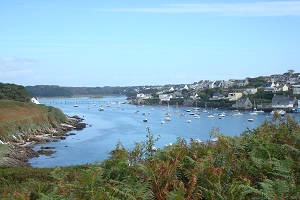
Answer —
18 151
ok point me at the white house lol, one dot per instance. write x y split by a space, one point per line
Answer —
143 96
34 100
165 97
234 96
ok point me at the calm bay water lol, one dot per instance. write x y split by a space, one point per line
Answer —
122 122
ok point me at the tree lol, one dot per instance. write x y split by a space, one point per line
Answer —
291 71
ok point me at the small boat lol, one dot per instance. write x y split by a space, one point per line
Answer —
253 113
197 116
238 114
162 122
210 116
188 121
250 120
214 139
167 119
222 114
153 148
101 109
145 120
280 112
198 141
75 106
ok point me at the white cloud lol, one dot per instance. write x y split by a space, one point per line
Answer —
282 8
15 67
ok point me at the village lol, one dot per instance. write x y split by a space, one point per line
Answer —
278 91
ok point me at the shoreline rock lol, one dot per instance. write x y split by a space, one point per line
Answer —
18 152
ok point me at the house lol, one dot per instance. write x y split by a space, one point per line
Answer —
278 78
296 89
243 103
234 96
250 91
271 86
228 84
280 101
294 78
177 95
34 100
217 96
165 97
277 88
211 84
242 83
218 84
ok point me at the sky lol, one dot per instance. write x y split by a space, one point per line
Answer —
152 42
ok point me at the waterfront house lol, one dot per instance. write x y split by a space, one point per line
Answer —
143 96
281 101
165 97
234 96
243 103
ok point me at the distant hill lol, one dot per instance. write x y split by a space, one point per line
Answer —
14 92
58 91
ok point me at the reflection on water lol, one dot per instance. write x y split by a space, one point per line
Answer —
124 123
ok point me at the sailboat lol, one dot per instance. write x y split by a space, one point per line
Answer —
254 110
211 115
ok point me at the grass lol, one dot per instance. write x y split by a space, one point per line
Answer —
25 117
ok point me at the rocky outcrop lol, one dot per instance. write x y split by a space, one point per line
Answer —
19 150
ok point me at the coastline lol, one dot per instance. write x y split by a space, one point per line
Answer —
17 152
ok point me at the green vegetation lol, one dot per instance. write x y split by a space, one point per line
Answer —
14 92
263 163
26 117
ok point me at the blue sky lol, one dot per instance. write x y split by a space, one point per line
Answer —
151 42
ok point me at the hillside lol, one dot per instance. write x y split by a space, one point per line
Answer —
26 117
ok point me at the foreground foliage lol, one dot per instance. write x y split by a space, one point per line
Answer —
260 164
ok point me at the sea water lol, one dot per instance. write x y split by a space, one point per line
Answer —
124 123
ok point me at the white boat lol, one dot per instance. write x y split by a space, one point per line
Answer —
211 115
280 112
145 120
214 139
197 116
75 106
237 114
162 122
167 118
250 120
188 121
222 114
101 109
198 141
253 113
